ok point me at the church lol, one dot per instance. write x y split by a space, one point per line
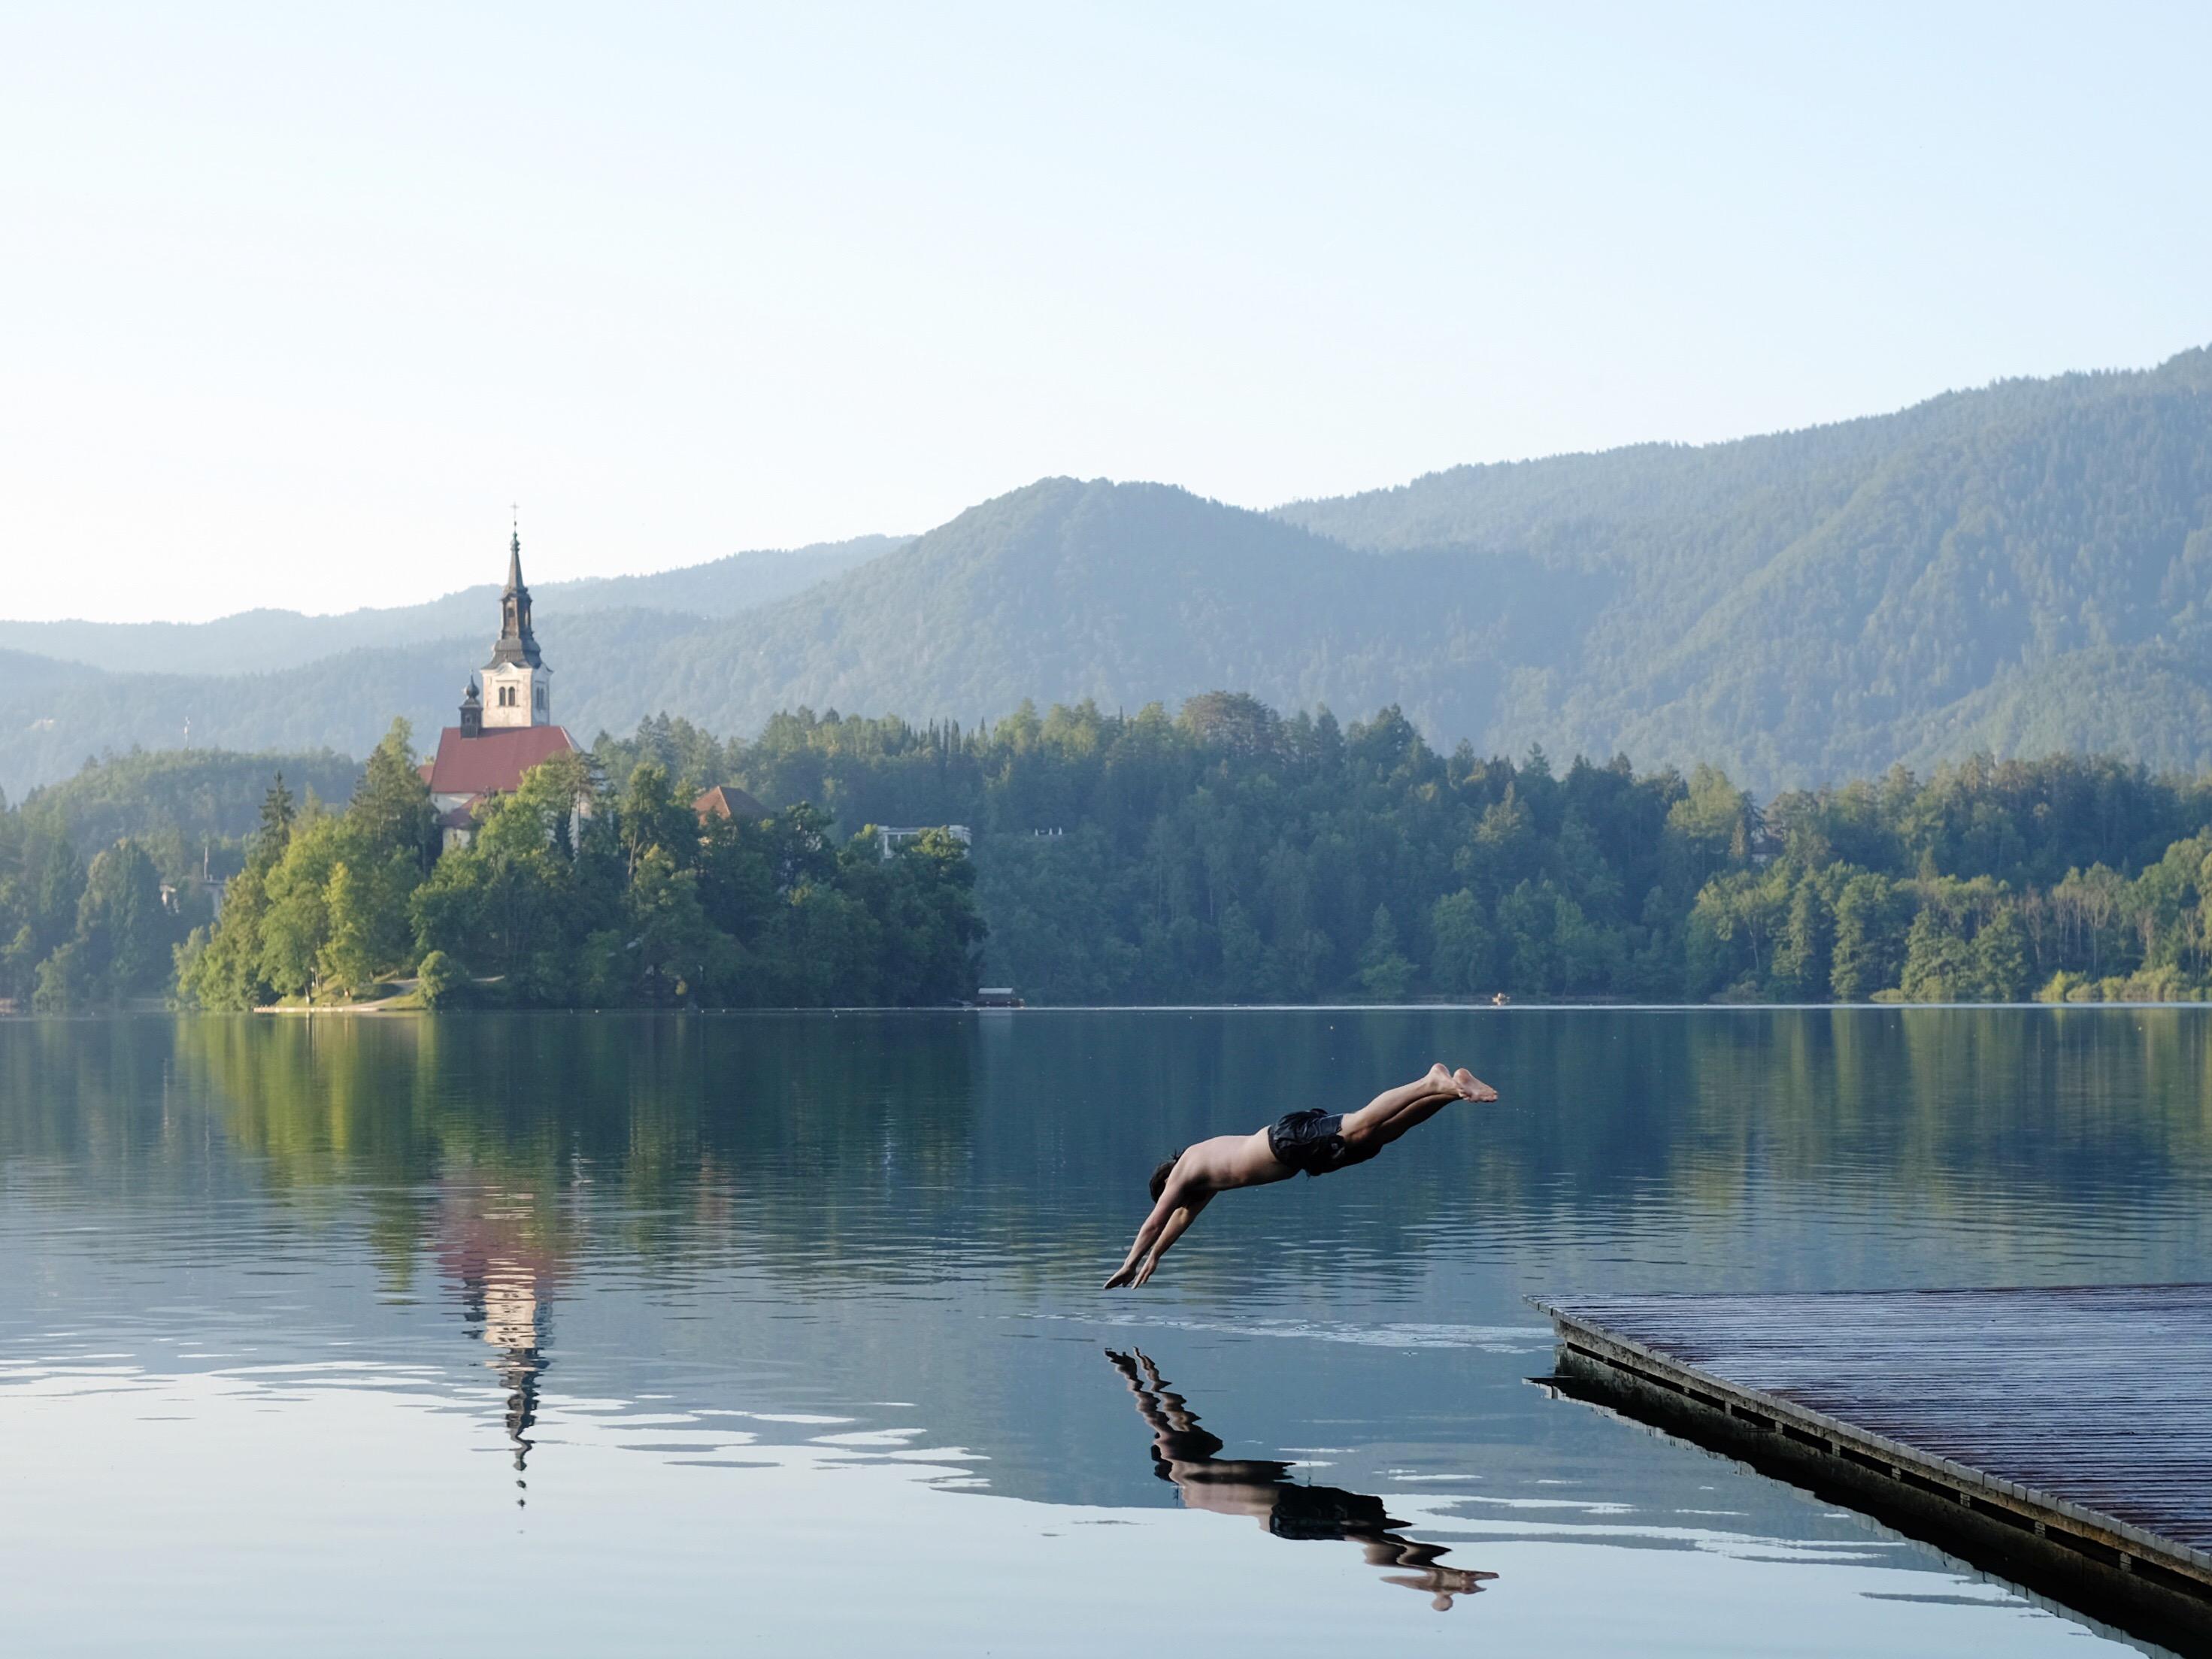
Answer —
507 720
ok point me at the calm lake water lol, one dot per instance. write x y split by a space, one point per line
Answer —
554 1335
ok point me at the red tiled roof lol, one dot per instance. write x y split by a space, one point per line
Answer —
727 800
496 761
463 816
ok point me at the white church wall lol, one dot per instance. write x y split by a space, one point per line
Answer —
517 695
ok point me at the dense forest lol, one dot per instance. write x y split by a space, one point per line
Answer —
1223 853
1228 854
2018 569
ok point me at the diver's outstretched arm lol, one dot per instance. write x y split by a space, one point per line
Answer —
1178 1225
1170 1201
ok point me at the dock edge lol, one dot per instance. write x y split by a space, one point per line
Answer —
2157 1588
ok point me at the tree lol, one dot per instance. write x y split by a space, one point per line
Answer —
2000 962
348 954
1939 965
1461 961
1501 853
931 933
1385 973
1866 955
1802 955
512 903
676 950
65 981
437 980
277 816
220 966
653 820
1710 829
390 811
121 928
1733 930
54 879
296 924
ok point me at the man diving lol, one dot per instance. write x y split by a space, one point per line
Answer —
1317 1142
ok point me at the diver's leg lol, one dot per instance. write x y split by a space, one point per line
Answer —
1391 1113
1382 1134
1438 1085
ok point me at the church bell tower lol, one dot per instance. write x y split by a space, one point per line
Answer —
517 687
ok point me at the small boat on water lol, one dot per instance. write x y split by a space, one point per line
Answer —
997 999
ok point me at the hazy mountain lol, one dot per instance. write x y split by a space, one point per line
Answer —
285 639
1126 593
2022 568
342 702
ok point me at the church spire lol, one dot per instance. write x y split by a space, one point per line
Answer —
516 644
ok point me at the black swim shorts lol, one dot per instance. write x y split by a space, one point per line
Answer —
1313 1140
1315 1512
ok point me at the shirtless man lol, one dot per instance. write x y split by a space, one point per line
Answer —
1315 1141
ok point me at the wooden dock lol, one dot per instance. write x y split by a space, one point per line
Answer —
2061 1438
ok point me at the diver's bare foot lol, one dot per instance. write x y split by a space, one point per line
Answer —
1440 1079
1467 1086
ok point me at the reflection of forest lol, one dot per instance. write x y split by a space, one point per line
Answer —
883 1147
1190 1455
681 1140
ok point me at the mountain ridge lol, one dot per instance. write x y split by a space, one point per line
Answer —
2022 566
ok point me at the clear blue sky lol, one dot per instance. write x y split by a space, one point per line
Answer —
297 299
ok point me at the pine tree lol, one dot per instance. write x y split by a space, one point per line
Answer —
391 808
120 924
1385 973
278 815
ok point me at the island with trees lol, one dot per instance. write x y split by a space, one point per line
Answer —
1224 853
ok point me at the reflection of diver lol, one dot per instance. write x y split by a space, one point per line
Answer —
1261 1487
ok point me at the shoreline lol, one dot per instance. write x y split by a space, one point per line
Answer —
385 1011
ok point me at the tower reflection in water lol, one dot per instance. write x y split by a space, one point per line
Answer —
1261 1487
491 1245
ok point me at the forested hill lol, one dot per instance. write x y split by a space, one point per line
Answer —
2022 569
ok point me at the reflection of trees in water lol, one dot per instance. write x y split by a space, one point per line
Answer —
814 1143
84 1091
1620 1114
1945 1111
688 1134
1189 1456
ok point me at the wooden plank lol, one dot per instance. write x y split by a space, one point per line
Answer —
2068 1429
